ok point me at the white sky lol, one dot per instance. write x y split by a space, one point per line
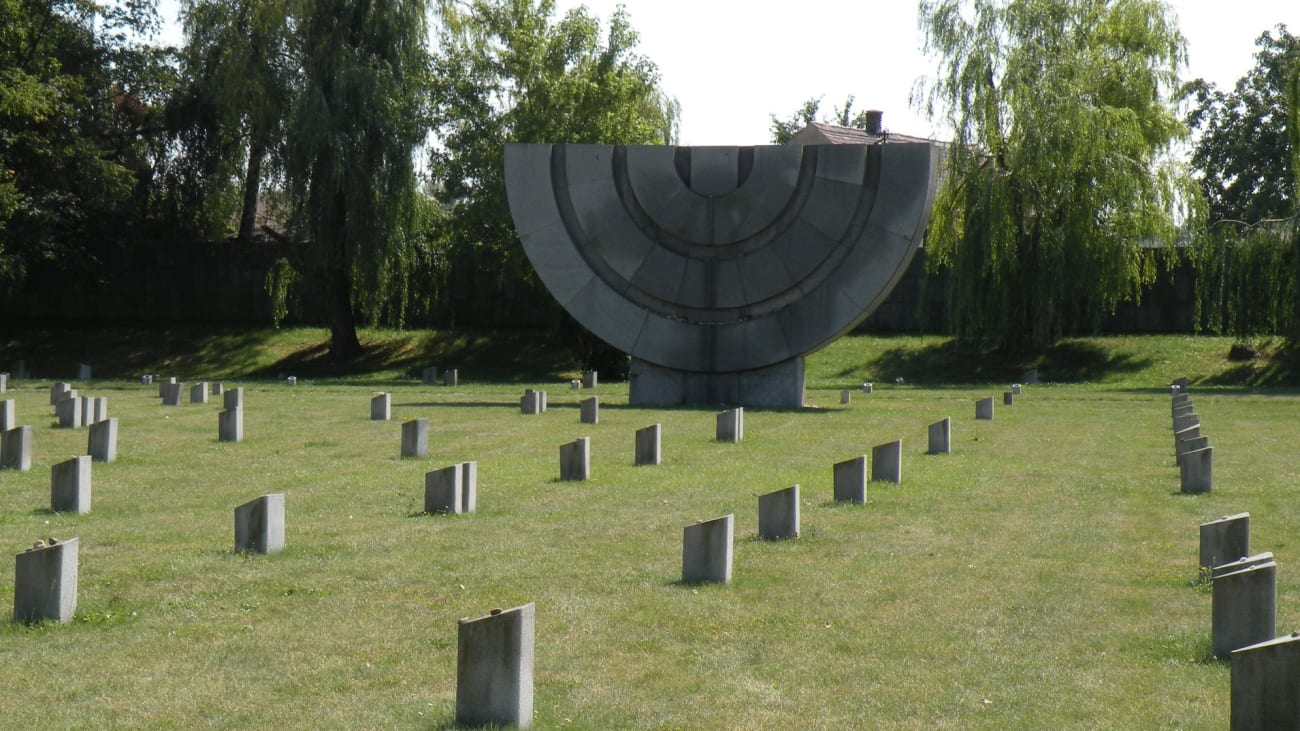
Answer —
733 63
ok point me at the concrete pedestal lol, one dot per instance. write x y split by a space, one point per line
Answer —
851 480
1224 540
102 444
381 407
706 551
589 410
16 449
1196 470
1244 608
984 408
45 583
778 514
494 668
731 425
415 438
1265 677
230 425
648 441
575 460
887 462
70 485
259 524
940 437
780 385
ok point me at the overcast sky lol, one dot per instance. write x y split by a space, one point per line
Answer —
733 63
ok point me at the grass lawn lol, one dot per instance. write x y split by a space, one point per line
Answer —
1043 575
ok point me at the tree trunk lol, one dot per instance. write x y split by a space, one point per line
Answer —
343 322
252 190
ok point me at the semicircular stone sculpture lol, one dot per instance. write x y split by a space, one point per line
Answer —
719 268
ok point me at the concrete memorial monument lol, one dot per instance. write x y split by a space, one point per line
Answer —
381 407
494 668
844 398
1008 398
575 460
415 438
851 480
706 551
731 425
589 410
102 443
648 441
45 582
887 462
58 392
16 449
217 389
1244 608
940 437
718 269
778 514
259 525
70 485
1264 681
1224 540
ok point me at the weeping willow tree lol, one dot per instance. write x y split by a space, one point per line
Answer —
350 138
1058 179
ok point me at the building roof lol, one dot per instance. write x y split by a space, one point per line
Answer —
821 133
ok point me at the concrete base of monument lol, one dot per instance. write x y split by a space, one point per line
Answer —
780 386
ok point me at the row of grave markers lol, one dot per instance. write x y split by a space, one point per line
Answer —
1192 451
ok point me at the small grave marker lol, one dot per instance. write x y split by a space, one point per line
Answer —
99 409
589 410
575 460
58 392
940 436
451 489
259 525
778 514
217 389
866 387
1196 470
984 409
429 376
415 438
1244 608
1224 540
706 551
451 377
1008 398
69 413
16 449
8 415
45 582
70 485
1015 389
230 425
172 394
199 393
102 444
83 372
731 425
887 462
844 398
494 668
851 480
233 399
590 379
648 440
381 407
1264 681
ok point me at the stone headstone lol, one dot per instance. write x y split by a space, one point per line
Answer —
429 376
1008 398
87 411
4 382
851 480
172 394
1182 410
58 392
866 387
494 668
16 449
259 525
940 436
162 386
575 384
69 413
984 408
451 489
1238 564
844 398
415 438
381 407
8 415
533 402
1196 470
199 393
1224 540
217 389
469 486
99 409
70 485
589 410
1181 384
778 514
102 444
575 460
648 440
1186 421
706 551
1182 435
230 425
83 372
147 380
1180 401
451 377
731 425
1244 608
1264 681
589 379
45 582
233 399
887 462
1015 389
20 369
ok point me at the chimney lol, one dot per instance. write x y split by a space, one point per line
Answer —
873 121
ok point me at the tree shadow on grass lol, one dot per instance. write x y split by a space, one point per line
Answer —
1278 366
950 362
128 352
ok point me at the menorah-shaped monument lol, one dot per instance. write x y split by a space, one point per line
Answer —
718 269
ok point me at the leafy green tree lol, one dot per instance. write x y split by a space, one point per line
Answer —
72 107
1057 177
1243 154
350 139
783 131
239 70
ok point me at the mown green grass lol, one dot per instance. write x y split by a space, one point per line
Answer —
1043 575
